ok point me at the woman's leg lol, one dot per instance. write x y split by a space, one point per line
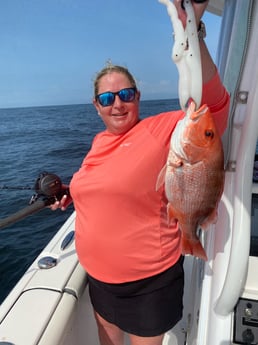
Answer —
109 334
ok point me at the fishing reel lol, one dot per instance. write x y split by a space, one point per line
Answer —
48 186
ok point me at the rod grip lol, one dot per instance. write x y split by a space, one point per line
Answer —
26 211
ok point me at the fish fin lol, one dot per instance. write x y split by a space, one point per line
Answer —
176 162
170 215
211 219
161 177
194 248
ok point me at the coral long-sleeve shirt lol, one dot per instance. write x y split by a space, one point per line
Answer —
122 233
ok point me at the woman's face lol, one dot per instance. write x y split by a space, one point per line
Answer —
121 116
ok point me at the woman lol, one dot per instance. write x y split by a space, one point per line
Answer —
123 240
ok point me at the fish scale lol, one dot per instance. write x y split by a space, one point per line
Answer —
183 182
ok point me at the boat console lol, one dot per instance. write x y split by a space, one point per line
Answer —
246 310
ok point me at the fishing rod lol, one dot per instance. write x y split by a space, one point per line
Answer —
48 188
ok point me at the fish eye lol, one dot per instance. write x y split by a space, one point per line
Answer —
209 134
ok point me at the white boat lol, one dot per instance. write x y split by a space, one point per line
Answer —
50 304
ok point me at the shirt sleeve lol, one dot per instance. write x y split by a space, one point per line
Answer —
217 98
162 125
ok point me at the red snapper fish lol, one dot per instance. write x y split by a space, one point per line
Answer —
193 176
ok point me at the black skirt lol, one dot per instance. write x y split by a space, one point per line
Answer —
146 307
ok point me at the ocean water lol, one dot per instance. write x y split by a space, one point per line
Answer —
36 139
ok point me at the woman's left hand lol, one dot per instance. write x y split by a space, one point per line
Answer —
199 9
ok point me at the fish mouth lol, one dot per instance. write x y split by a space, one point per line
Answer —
180 138
195 115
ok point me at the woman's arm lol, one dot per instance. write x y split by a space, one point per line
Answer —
214 93
208 66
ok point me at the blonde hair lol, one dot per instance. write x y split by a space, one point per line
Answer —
109 69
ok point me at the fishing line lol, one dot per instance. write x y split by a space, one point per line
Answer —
4 187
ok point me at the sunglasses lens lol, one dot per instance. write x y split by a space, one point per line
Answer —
106 99
127 95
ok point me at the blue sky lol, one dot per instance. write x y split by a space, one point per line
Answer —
51 50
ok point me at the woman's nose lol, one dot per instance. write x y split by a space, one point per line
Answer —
118 102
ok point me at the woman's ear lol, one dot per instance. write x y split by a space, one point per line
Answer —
96 105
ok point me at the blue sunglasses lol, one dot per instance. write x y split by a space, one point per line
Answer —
108 98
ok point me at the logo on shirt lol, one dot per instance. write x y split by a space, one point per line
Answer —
125 144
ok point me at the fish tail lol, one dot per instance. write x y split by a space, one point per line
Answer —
194 248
